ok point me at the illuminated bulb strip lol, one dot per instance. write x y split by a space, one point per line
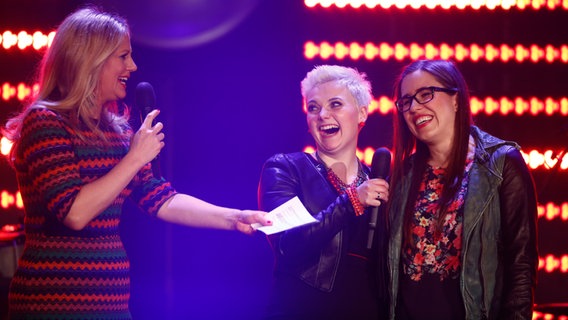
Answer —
21 91
534 159
520 106
537 315
5 146
547 160
23 40
490 106
474 52
550 263
548 211
7 200
551 211
384 105
445 4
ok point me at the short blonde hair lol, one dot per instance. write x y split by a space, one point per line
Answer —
356 82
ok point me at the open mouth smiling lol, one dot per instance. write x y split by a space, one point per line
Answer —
422 120
329 129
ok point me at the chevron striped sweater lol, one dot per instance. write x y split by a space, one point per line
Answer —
67 274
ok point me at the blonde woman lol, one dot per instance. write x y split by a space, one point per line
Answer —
77 160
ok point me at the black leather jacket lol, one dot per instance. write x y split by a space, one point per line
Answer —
312 252
499 250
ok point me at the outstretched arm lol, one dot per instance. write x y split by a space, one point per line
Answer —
190 211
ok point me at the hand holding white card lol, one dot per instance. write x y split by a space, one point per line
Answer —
289 215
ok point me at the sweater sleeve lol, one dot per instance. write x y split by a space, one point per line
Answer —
47 151
151 193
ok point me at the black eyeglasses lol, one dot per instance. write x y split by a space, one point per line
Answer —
422 96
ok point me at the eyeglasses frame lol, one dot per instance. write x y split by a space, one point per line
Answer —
413 97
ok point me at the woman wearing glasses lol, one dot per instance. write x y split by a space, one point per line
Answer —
463 211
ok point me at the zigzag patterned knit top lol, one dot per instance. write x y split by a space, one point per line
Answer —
67 274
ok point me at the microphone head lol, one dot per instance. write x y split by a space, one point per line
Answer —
380 166
145 97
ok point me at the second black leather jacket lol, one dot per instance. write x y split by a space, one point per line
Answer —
499 256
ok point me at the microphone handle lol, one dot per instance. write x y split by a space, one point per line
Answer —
155 163
372 226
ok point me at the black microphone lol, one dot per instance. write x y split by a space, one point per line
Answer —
146 102
380 168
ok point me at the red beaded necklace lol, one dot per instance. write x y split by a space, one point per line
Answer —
341 186
351 189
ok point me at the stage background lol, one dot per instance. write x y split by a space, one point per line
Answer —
227 80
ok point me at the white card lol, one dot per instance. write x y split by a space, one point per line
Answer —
288 215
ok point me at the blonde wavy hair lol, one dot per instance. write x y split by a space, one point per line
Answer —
69 72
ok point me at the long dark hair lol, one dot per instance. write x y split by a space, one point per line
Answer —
405 144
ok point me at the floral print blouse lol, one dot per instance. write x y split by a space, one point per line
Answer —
433 251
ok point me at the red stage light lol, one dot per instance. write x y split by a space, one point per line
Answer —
413 51
445 4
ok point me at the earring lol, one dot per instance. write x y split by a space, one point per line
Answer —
361 124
